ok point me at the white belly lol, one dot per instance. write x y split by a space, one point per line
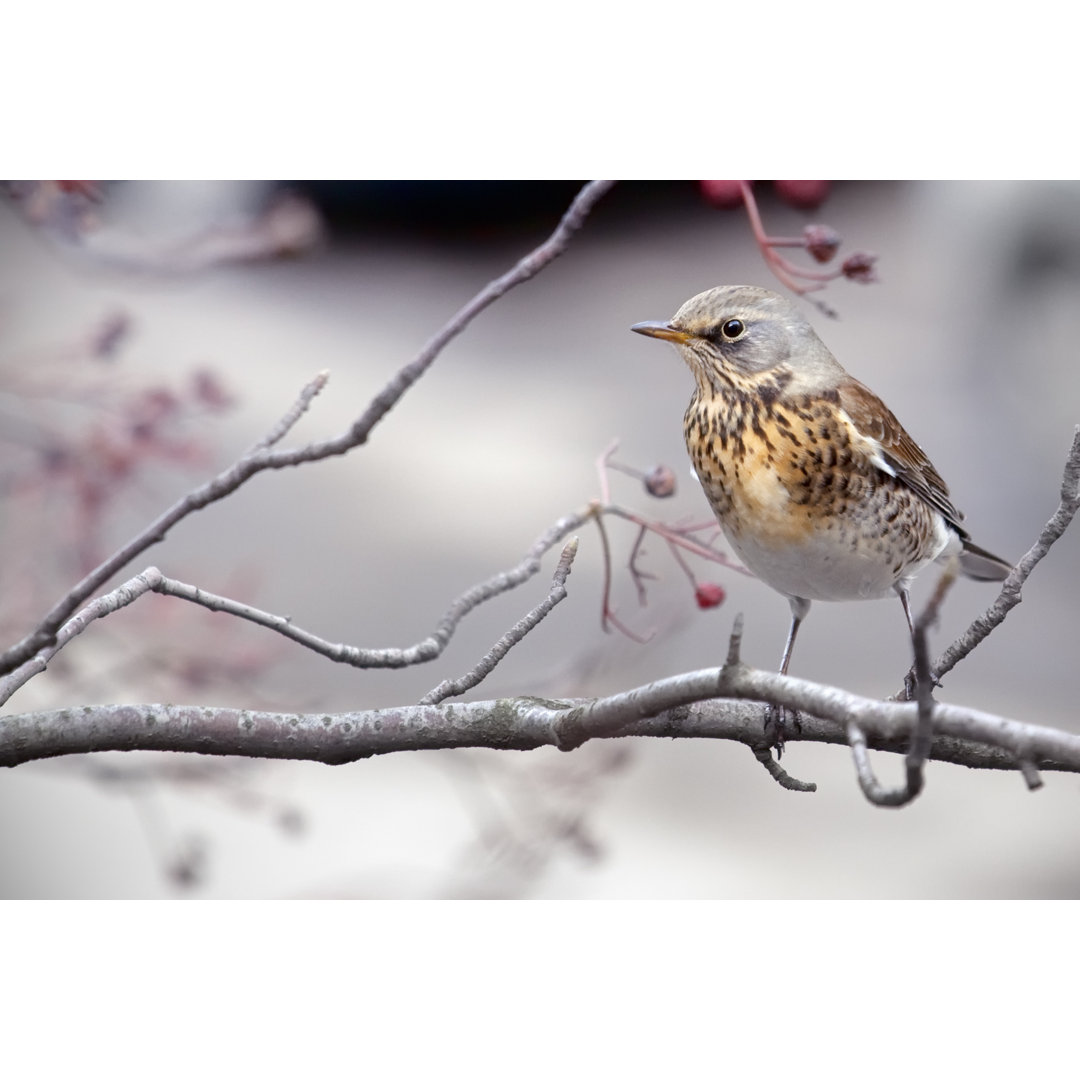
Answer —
828 566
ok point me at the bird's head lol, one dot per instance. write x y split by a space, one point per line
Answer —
734 332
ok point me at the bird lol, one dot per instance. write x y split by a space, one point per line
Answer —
818 488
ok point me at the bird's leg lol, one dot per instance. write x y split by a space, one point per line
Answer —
909 679
903 594
799 609
776 716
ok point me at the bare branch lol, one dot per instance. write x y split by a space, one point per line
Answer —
679 707
924 679
265 457
97 609
786 272
637 575
734 651
607 611
296 410
679 536
779 773
1030 774
488 662
526 268
922 737
152 580
602 466
1010 595
871 787
423 651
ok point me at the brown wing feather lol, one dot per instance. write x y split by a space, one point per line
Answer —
913 468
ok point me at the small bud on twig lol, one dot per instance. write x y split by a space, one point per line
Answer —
860 267
822 241
660 483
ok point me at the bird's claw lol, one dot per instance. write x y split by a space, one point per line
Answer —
778 722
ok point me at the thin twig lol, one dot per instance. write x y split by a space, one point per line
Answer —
922 736
783 268
152 580
678 536
607 611
637 575
267 457
924 680
683 564
602 464
488 662
298 408
1030 774
779 773
1010 594
871 787
113 601
733 658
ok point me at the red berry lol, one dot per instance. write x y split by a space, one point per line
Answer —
803 194
708 594
723 194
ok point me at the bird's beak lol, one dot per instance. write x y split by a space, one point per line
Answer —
664 331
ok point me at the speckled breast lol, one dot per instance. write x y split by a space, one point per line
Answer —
802 504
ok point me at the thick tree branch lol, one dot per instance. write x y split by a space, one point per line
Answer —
679 707
263 456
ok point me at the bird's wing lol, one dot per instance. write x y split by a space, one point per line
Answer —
899 450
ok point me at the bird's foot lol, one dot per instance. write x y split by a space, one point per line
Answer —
779 721
911 686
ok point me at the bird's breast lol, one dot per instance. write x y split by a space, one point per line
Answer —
801 500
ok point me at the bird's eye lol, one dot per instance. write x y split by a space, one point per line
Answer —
733 329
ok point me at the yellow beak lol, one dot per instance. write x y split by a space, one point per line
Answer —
662 330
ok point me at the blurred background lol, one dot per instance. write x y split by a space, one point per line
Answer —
150 333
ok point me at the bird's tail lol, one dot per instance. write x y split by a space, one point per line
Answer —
981 565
